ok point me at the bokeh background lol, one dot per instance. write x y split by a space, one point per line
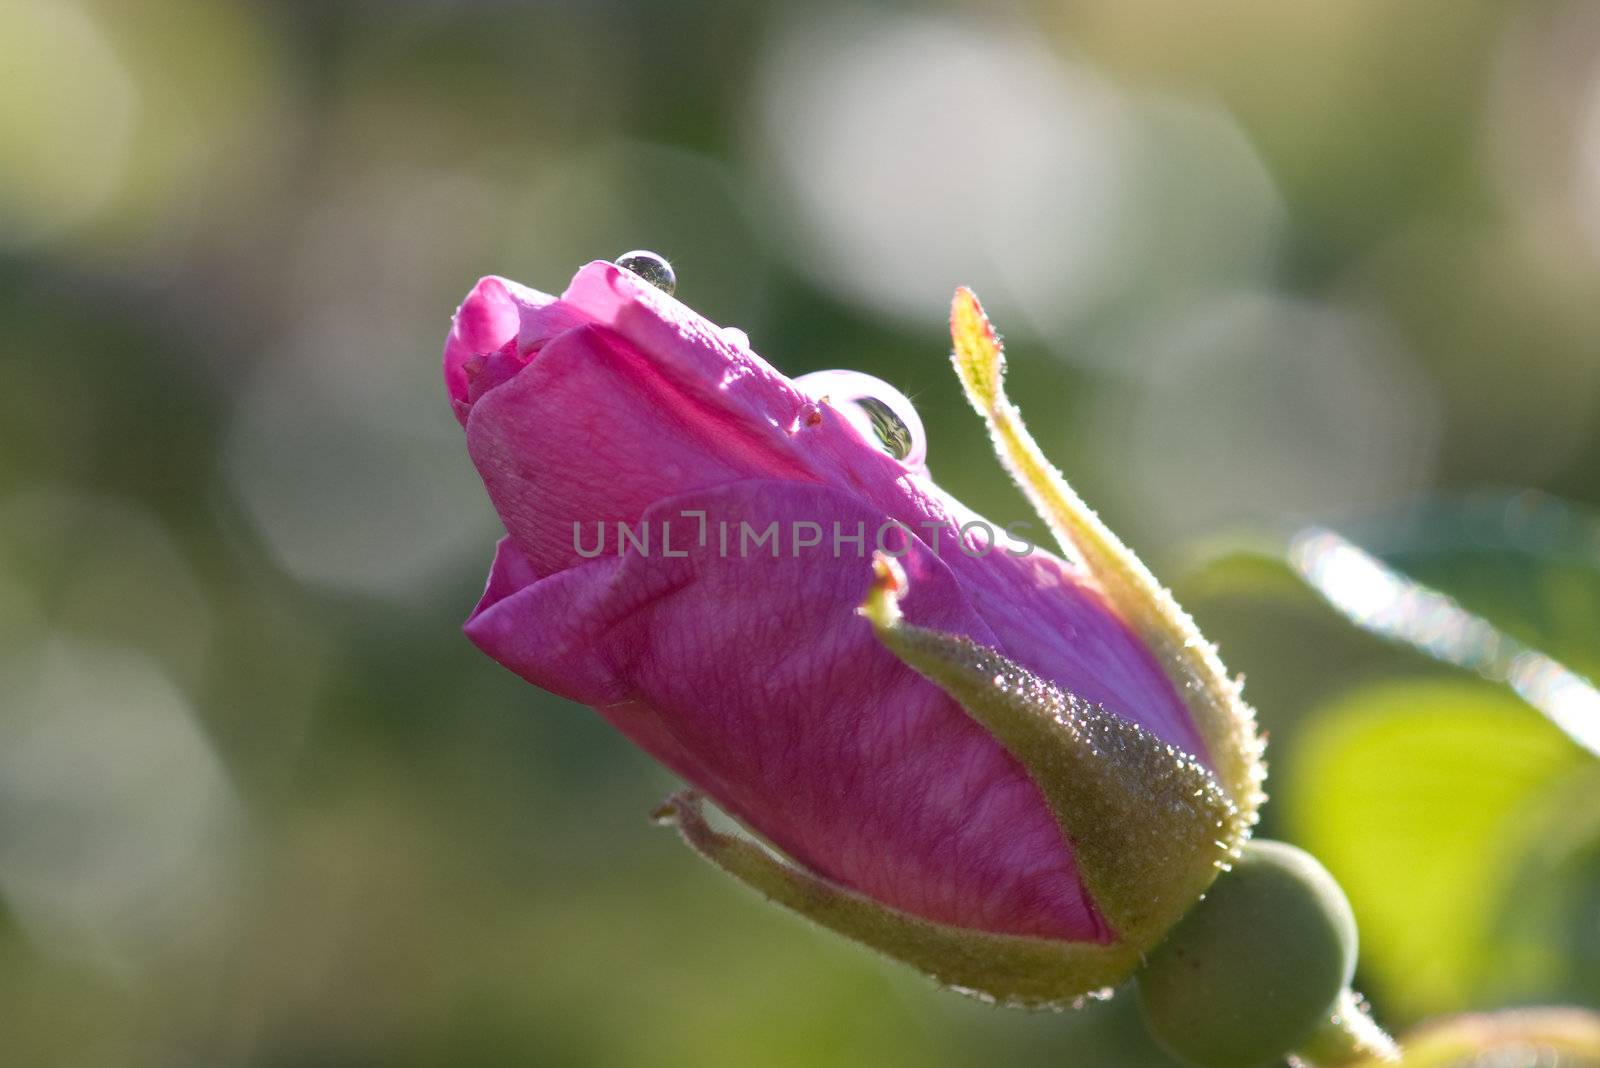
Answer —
1261 266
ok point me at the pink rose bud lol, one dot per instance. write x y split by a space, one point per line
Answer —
1013 771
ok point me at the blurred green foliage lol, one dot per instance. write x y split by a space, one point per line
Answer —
1434 785
1259 266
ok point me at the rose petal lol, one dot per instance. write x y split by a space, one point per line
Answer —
495 313
1054 622
798 721
695 354
591 432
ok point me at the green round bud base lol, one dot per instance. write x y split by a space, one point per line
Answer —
1256 967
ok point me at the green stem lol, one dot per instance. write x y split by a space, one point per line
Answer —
1348 1036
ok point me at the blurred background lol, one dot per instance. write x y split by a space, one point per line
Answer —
1261 268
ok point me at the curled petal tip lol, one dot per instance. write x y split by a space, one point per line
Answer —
488 317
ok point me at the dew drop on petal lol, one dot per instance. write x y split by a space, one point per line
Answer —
653 268
879 412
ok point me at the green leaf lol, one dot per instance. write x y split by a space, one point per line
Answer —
1528 563
1548 938
1516 584
1420 797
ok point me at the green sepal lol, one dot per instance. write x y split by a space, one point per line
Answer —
1225 721
1559 1037
1150 826
1012 970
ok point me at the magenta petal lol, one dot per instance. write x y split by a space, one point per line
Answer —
798 721
695 354
1052 619
590 432
495 314
510 572
486 320
547 632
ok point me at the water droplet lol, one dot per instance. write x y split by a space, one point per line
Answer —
653 268
878 411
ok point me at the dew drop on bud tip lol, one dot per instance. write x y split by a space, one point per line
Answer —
878 411
651 267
